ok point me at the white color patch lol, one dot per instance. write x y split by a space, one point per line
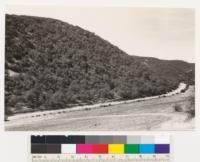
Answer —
162 139
68 148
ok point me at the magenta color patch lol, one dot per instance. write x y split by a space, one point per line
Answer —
84 149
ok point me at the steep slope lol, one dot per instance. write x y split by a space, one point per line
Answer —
50 64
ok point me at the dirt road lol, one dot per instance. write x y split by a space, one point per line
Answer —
154 114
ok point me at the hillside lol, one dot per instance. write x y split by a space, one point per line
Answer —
50 64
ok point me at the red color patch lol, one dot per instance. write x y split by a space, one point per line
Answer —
100 149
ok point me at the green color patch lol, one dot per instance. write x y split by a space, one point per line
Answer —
131 149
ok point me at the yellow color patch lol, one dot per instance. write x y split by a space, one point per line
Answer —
116 148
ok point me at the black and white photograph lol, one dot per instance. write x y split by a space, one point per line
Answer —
70 68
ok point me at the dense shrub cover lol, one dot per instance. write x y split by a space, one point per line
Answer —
50 64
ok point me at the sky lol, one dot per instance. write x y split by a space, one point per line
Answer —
165 33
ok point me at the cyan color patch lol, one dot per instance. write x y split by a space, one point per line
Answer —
147 148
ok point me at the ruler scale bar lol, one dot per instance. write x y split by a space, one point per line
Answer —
100 157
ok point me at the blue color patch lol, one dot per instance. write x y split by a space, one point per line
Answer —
147 148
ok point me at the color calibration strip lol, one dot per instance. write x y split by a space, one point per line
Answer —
100 144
